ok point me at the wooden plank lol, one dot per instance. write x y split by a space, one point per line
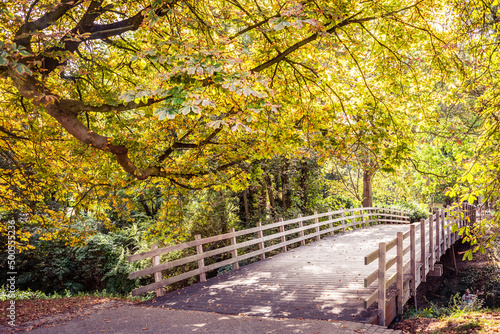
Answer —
381 283
261 242
234 252
201 261
160 251
370 279
162 266
413 260
157 274
370 300
316 222
343 221
330 225
165 282
399 283
362 218
303 242
371 257
443 215
353 219
283 235
391 244
431 243
423 256
438 235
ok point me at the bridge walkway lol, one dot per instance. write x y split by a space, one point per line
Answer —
322 280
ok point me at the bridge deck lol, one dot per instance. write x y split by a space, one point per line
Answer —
323 280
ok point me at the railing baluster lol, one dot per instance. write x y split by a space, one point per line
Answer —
301 224
283 238
353 219
343 220
381 283
438 239
413 260
423 255
399 284
431 242
234 253
260 235
316 221
201 262
157 275
330 225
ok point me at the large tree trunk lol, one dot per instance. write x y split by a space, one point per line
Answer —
367 188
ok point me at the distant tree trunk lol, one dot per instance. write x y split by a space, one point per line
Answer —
304 171
245 203
262 200
367 188
145 206
284 191
269 188
285 186
277 192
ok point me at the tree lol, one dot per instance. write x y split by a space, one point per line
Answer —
100 95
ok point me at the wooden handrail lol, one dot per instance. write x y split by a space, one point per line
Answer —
435 238
290 232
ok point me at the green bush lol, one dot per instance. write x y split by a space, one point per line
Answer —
54 267
415 210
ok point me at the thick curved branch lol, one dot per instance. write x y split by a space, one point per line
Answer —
350 20
76 107
23 35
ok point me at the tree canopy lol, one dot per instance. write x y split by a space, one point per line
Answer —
103 98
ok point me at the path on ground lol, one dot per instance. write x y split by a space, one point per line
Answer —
145 320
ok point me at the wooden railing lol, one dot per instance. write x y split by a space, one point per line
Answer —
435 237
256 242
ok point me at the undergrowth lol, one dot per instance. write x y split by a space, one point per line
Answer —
30 294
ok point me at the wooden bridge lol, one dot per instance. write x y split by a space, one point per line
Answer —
358 264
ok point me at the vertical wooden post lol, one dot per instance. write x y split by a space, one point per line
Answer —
201 261
282 238
381 283
431 241
452 221
234 252
399 282
301 224
343 221
331 225
413 260
353 219
362 213
316 221
260 235
157 275
443 236
423 255
450 224
438 233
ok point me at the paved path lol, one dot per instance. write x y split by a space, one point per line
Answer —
144 320
321 281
